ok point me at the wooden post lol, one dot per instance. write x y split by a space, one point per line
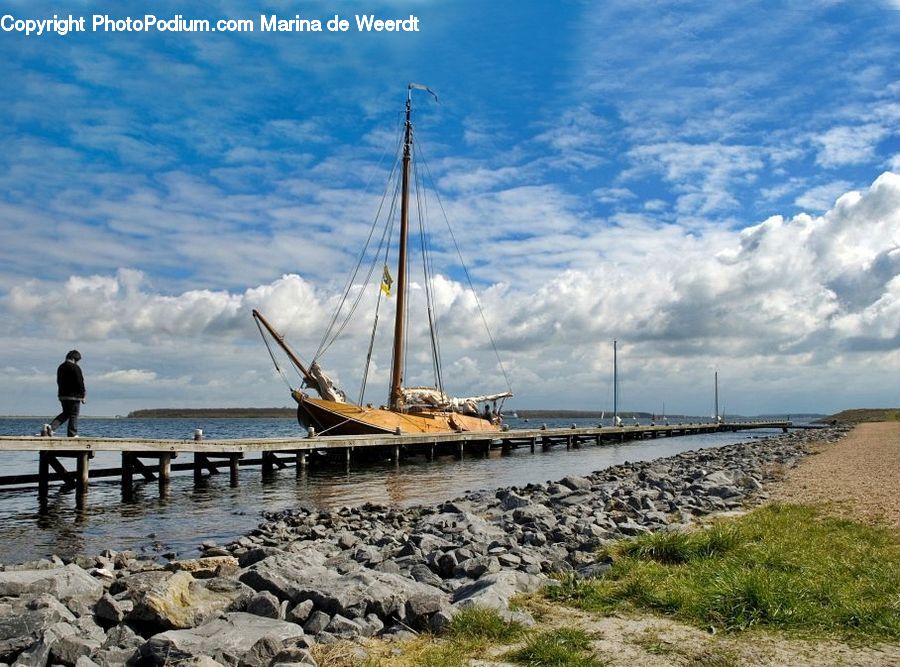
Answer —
82 473
431 452
233 468
127 475
301 462
199 463
266 464
165 471
43 475
347 457
461 446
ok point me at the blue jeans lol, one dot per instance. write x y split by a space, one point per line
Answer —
70 410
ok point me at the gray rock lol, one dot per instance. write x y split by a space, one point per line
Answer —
343 627
300 612
24 623
84 661
122 636
67 650
38 653
576 483
265 604
511 500
227 639
494 591
317 622
182 602
351 595
64 583
481 565
110 610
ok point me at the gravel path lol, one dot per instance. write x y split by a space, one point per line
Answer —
857 476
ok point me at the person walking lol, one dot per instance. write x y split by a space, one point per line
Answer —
71 392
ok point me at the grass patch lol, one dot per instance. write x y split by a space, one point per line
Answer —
861 415
481 624
784 567
470 633
563 647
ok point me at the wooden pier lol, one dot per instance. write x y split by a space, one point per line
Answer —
152 459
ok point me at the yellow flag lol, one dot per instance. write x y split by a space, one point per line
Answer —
386 281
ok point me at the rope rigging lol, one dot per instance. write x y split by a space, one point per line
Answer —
468 277
378 247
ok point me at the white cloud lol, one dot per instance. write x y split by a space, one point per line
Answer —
129 376
822 197
777 304
848 145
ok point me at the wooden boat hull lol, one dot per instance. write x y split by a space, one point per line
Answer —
333 418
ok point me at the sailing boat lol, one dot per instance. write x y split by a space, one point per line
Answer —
409 409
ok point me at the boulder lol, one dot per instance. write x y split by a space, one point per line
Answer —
63 583
206 567
351 595
183 602
38 654
22 624
265 604
231 639
494 591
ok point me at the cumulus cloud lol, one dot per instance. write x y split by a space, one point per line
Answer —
786 296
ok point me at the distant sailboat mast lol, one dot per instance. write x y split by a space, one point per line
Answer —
717 396
615 385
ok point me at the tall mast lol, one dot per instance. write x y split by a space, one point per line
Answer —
615 386
717 395
396 397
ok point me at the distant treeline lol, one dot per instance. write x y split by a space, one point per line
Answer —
212 413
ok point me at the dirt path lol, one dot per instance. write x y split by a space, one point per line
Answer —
857 476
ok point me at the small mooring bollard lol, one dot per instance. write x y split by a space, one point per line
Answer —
311 432
198 434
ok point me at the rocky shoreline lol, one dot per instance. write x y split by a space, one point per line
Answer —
306 576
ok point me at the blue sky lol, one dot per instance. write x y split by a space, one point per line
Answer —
715 185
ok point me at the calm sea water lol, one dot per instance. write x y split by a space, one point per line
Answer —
188 514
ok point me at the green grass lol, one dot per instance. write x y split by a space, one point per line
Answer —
563 647
860 415
470 632
478 623
782 567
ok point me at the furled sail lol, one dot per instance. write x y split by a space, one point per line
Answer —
435 398
320 381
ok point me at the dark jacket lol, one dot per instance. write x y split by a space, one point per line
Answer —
70 381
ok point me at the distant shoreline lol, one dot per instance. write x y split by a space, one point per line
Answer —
212 413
